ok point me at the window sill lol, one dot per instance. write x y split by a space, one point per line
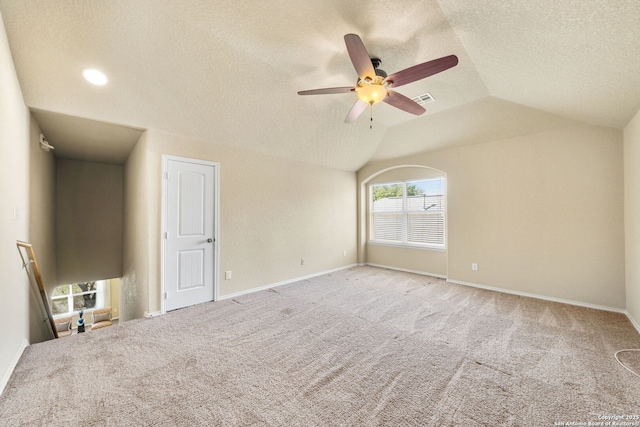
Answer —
75 313
407 246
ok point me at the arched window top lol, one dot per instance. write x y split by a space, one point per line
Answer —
406 173
403 173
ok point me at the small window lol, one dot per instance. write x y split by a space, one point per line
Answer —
67 299
410 213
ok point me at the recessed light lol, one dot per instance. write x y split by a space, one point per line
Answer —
94 76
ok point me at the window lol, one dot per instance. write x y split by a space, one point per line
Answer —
67 299
410 213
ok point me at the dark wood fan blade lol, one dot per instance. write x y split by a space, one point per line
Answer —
328 90
359 56
420 71
355 111
402 102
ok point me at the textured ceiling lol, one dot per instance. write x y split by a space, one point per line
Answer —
228 71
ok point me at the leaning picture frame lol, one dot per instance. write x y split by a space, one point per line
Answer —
30 265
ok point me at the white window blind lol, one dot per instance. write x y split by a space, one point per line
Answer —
408 213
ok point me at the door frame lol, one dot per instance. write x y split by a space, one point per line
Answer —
163 222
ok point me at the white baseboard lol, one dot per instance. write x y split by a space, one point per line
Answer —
509 291
152 314
633 321
284 282
542 297
423 273
12 366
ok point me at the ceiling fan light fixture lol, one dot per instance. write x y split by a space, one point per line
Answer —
371 91
373 83
371 94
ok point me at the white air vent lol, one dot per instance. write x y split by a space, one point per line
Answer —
425 98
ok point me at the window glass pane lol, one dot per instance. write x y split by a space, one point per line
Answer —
90 300
83 302
426 228
425 202
61 290
60 305
386 226
84 287
388 204
425 195
387 197
78 303
429 187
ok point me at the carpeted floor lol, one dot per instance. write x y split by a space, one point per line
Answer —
360 347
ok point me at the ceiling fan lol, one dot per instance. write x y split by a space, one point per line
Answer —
374 84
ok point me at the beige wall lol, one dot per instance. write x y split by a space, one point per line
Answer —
42 215
114 294
273 212
134 293
632 216
540 214
89 220
423 261
24 172
420 260
14 186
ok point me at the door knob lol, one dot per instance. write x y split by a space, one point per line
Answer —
209 240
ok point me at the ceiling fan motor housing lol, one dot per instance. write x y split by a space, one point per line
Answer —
376 63
380 74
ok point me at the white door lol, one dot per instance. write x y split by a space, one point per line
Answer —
189 246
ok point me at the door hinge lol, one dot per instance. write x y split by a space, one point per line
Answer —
165 295
166 175
165 235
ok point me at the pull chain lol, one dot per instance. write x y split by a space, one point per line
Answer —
371 116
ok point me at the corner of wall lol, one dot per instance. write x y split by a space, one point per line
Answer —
135 263
7 375
633 321
42 207
631 218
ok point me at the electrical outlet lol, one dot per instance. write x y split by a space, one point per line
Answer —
227 275
474 266
301 261
16 213
344 253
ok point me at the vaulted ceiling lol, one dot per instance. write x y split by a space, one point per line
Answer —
229 71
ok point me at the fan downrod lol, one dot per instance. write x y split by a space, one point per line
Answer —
376 63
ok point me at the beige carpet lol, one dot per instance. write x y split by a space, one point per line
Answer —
361 347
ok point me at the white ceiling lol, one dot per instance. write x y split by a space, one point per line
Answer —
228 71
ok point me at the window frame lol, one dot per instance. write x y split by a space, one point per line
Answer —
404 242
70 299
